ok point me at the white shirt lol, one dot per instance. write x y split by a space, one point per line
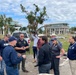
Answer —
35 40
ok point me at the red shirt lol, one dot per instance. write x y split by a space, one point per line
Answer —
39 44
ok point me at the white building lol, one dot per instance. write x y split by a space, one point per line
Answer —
59 28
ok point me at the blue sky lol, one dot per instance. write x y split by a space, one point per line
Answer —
59 11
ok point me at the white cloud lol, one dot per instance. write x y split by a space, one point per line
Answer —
58 10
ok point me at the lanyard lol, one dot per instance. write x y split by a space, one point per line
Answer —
72 45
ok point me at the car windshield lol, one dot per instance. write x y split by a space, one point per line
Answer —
17 35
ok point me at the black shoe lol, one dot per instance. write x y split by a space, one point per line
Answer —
35 65
25 70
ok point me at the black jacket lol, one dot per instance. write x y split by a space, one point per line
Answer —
44 56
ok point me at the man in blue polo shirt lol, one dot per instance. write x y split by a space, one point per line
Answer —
11 57
72 54
3 44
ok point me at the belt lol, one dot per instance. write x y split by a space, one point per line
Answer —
14 66
46 63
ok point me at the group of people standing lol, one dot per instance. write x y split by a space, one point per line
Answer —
12 52
46 54
49 53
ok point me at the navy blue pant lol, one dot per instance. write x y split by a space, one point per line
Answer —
55 65
2 65
12 70
44 68
34 52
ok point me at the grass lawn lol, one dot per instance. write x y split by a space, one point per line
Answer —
65 44
1 36
63 41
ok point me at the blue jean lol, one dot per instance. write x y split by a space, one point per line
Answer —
2 65
12 70
44 68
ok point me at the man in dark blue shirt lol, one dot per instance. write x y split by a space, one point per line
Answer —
44 57
21 47
72 54
3 44
11 57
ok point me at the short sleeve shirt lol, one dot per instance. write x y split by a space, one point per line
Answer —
21 43
3 44
56 49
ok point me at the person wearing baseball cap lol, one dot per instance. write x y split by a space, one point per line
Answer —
56 52
11 57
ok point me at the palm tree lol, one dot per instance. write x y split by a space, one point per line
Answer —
2 23
6 22
23 28
12 28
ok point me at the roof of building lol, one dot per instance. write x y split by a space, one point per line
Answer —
57 24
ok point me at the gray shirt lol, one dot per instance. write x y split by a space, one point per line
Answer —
56 49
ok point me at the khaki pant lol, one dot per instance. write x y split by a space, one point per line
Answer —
73 66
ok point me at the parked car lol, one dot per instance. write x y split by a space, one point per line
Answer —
26 37
60 37
42 35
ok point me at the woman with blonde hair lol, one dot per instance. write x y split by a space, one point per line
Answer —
57 52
